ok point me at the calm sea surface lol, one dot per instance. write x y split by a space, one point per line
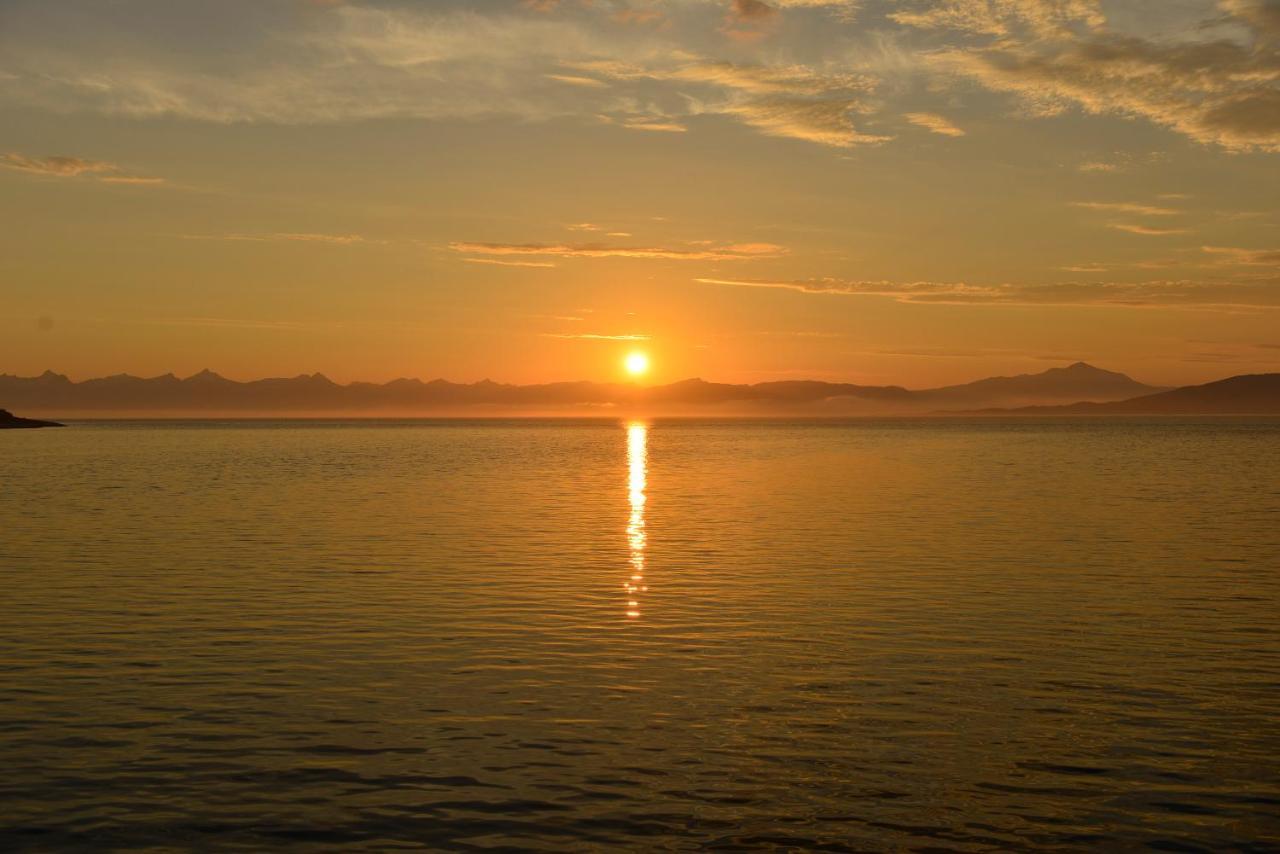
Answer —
964 636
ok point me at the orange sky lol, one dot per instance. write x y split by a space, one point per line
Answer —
907 192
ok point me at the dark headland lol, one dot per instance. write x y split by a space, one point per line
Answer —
9 421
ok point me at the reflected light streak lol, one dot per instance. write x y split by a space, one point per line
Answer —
637 475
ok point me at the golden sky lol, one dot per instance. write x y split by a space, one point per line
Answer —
881 191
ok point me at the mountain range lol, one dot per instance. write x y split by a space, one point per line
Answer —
1077 388
1247 394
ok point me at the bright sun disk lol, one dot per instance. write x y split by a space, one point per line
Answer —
637 364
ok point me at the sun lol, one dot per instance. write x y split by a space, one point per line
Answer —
637 364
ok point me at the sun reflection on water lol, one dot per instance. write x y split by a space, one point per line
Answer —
637 465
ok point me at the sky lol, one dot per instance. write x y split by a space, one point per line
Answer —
914 192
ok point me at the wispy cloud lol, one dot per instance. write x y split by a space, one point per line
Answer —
133 180
61 166
441 60
656 125
1098 166
290 237
1056 56
1249 257
574 80
1145 230
588 336
1173 294
1128 207
730 252
55 165
499 263
935 123
826 122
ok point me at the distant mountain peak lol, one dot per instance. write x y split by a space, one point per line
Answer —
1086 368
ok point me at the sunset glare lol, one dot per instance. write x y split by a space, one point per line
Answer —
637 364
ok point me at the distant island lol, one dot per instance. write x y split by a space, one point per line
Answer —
9 421
1079 388
1248 394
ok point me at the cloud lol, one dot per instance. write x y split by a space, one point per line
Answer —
1098 166
56 165
1127 207
825 122
1003 17
1145 230
133 180
747 78
1262 15
291 237
1218 92
594 337
658 126
752 10
1190 294
791 101
748 20
298 63
731 252
444 60
498 263
935 123
1248 257
574 80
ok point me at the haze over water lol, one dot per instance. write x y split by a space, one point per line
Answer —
596 635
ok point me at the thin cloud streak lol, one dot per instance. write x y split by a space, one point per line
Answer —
934 123
1128 207
290 237
62 166
732 252
1158 294
1145 230
499 263
586 336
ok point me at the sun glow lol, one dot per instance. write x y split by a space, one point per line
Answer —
637 364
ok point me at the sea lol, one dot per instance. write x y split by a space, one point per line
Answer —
665 635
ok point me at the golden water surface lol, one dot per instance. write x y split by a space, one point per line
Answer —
966 636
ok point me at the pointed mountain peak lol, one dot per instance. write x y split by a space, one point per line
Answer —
50 376
205 376
1086 369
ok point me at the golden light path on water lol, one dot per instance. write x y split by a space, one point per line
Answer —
637 470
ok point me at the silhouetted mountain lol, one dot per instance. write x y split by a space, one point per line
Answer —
207 392
9 421
1248 394
1077 382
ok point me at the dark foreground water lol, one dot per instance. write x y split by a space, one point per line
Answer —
687 635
